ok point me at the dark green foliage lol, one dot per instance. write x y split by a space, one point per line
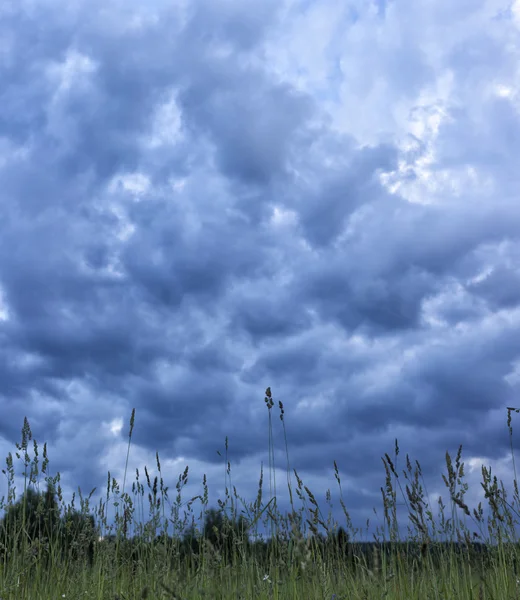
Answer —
78 537
33 525
227 537
222 562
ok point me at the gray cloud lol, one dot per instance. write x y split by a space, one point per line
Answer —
187 216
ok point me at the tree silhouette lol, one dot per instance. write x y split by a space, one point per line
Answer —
228 537
31 523
34 524
78 536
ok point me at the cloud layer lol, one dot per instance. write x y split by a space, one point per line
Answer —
202 201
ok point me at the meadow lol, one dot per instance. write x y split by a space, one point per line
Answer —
49 550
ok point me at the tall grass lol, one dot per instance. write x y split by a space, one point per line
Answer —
50 551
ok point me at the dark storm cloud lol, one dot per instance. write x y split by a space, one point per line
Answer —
501 288
324 213
182 226
250 127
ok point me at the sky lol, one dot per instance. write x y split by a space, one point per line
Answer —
202 199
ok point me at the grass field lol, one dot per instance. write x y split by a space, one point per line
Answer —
51 551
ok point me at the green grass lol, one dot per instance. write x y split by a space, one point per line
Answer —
48 551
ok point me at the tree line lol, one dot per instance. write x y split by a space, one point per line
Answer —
34 526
